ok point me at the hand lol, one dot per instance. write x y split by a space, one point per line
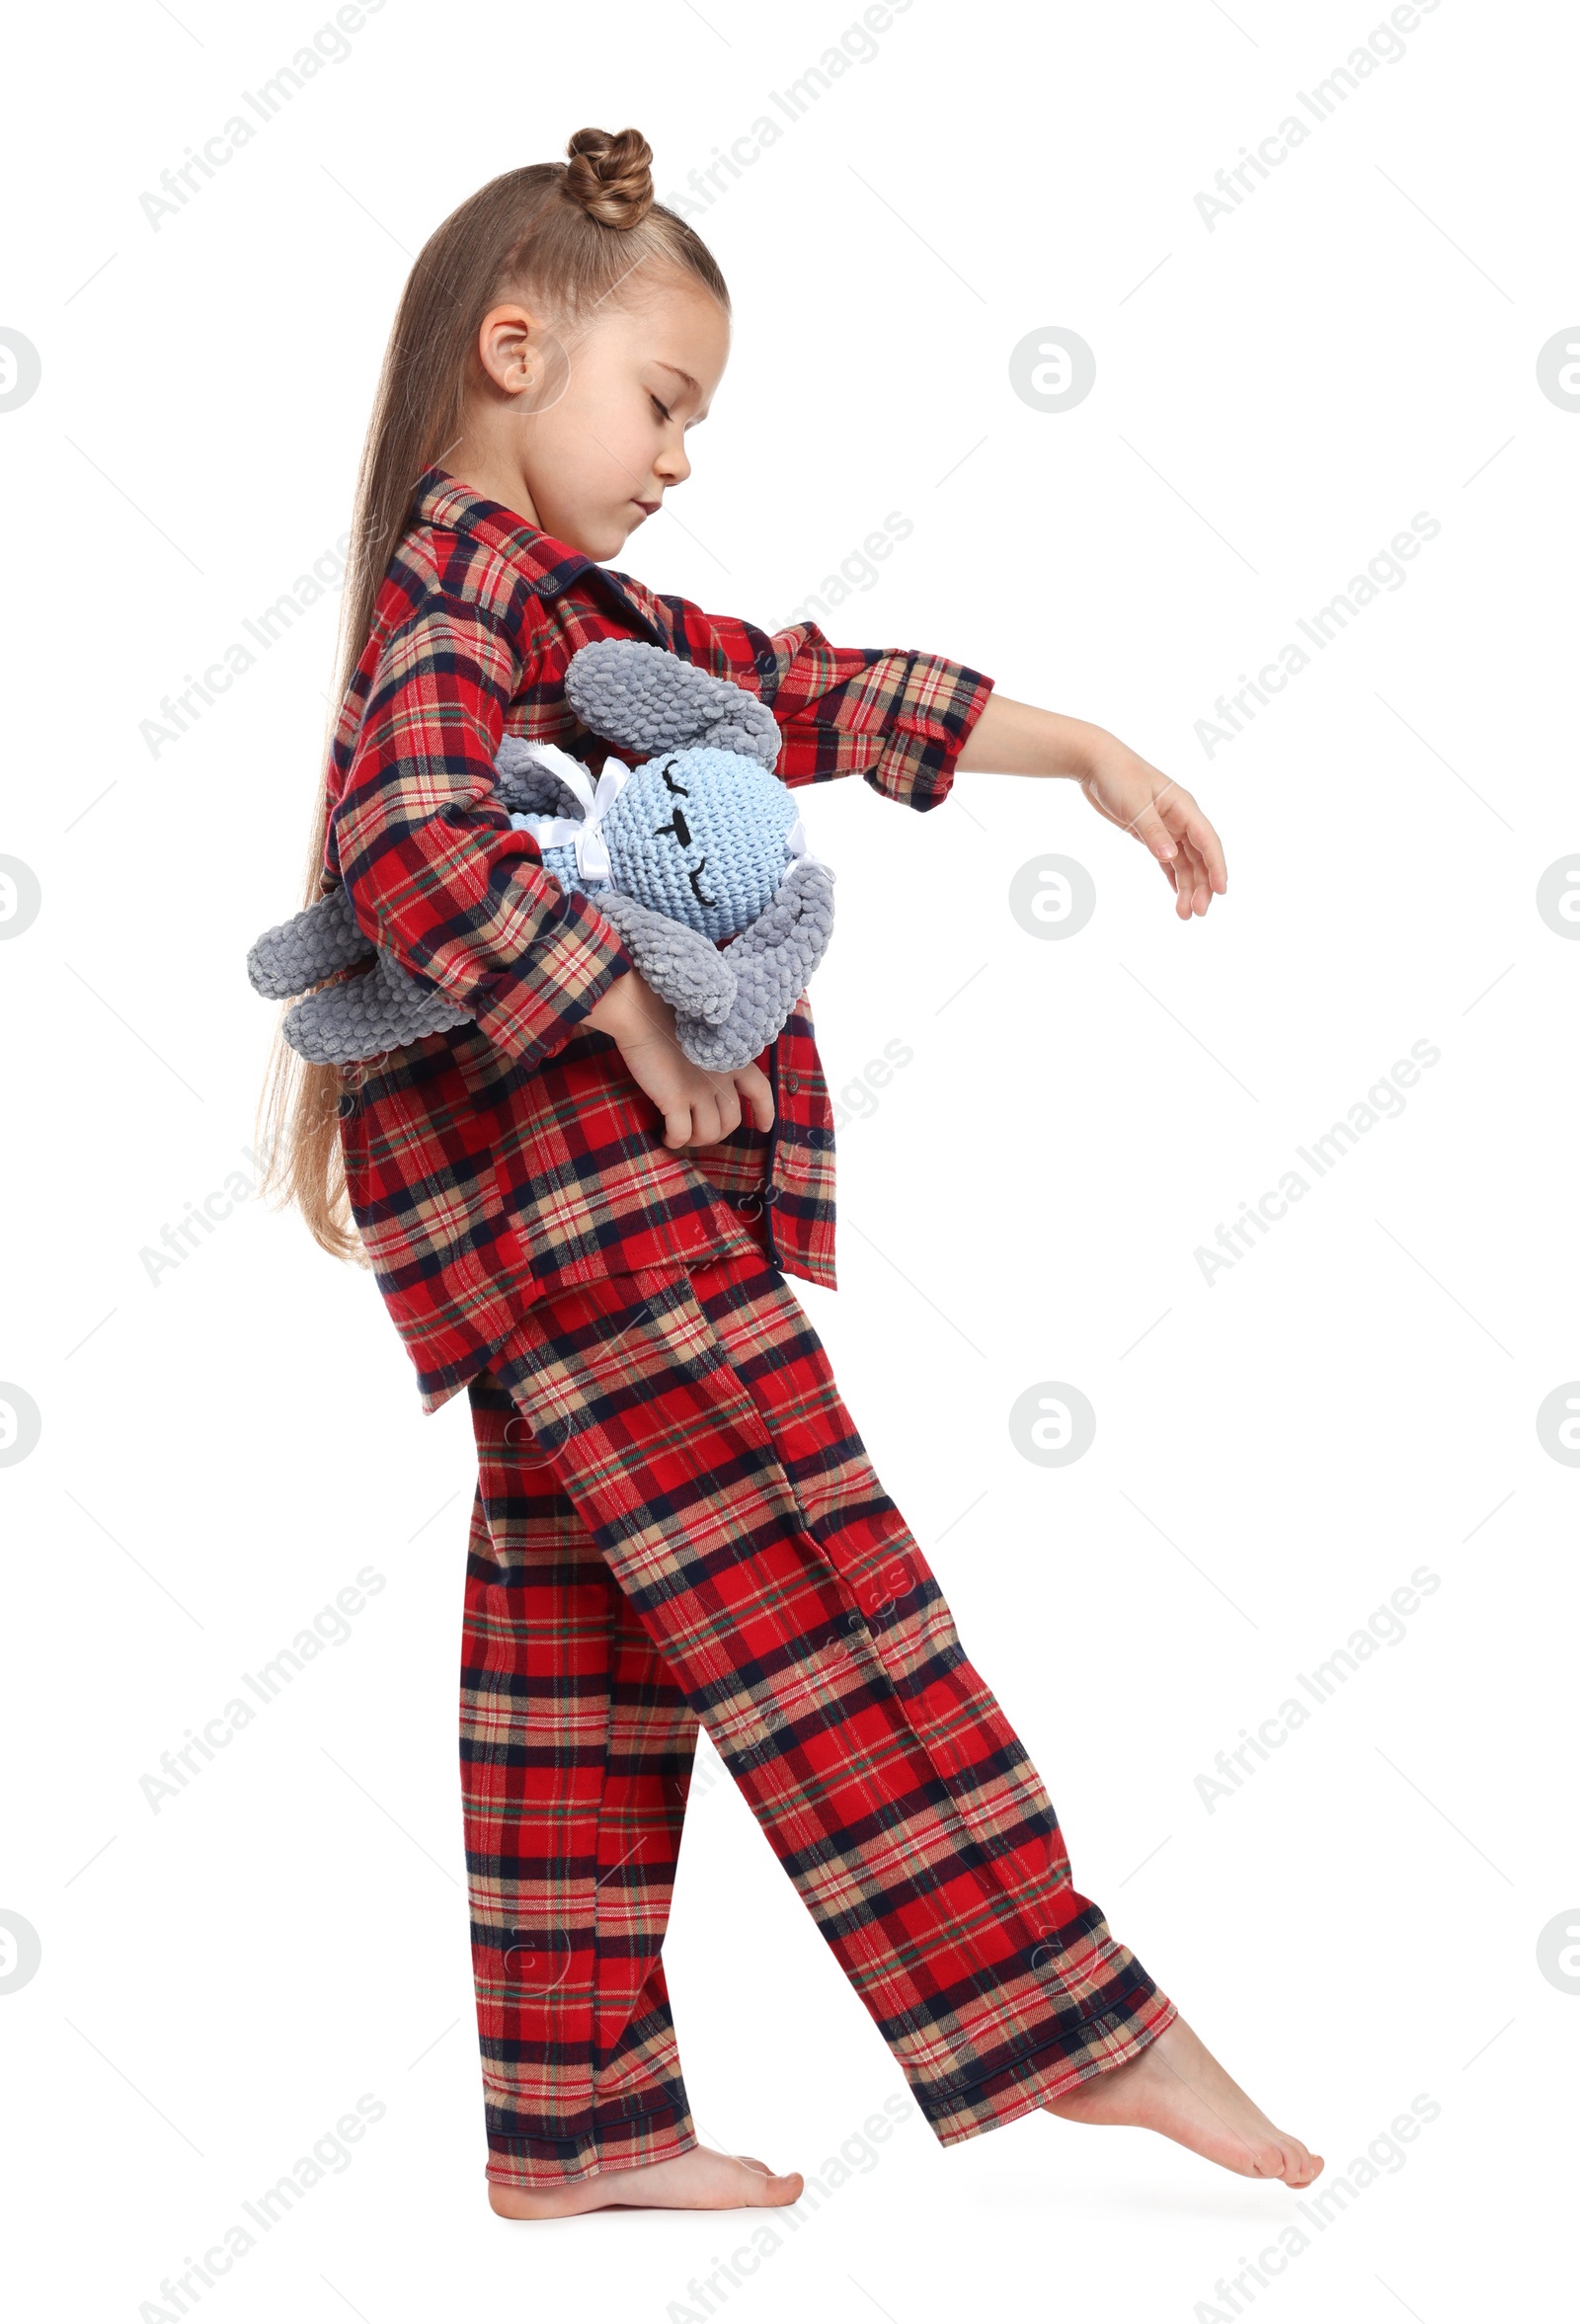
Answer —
1163 814
1016 738
698 1108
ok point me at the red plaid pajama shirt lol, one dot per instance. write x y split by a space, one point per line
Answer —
675 1519
516 1155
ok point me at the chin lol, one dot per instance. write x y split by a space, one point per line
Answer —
599 537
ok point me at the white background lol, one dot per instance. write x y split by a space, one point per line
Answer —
223 1448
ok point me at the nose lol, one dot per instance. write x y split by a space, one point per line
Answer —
671 464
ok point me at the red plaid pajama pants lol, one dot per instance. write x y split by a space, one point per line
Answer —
676 1521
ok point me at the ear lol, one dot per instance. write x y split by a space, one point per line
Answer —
645 700
526 787
511 342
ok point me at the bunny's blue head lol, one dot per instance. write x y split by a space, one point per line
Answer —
703 836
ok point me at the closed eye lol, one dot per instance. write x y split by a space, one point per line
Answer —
663 410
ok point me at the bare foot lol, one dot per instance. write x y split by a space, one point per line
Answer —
1176 2086
698 2181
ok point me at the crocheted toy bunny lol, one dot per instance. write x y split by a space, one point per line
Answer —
698 843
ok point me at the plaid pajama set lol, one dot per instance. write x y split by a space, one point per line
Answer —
676 1518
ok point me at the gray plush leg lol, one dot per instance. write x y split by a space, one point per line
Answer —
681 965
303 951
645 700
363 1017
773 960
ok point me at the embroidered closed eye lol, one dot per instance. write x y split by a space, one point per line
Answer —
680 830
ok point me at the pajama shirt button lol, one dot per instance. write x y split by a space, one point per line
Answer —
791 1081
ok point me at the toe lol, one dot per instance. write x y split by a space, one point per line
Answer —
779 2189
1268 2162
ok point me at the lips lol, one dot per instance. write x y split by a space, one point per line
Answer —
648 508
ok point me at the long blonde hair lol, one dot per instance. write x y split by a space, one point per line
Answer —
571 232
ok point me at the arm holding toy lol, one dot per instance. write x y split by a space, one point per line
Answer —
435 874
732 1004
699 1107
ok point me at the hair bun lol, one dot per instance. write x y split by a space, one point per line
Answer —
610 178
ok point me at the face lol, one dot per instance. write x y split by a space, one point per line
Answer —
582 431
701 835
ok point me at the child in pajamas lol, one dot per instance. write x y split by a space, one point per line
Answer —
675 1519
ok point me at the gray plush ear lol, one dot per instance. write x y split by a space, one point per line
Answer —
773 960
527 788
363 1017
645 700
304 951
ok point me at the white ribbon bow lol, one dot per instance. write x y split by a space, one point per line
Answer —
580 832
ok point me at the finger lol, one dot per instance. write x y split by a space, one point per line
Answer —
1210 847
705 1120
1203 879
757 1090
677 1123
1154 833
1192 827
728 1101
1175 873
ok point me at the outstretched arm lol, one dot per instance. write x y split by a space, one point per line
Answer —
1014 738
907 721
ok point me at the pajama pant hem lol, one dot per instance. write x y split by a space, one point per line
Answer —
1028 2083
623 2146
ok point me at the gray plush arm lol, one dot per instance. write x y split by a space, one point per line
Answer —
772 961
358 1016
304 951
682 967
363 1017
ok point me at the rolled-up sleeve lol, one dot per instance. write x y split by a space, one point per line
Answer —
435 874
897 718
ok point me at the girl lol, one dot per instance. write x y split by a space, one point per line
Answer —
676 1518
